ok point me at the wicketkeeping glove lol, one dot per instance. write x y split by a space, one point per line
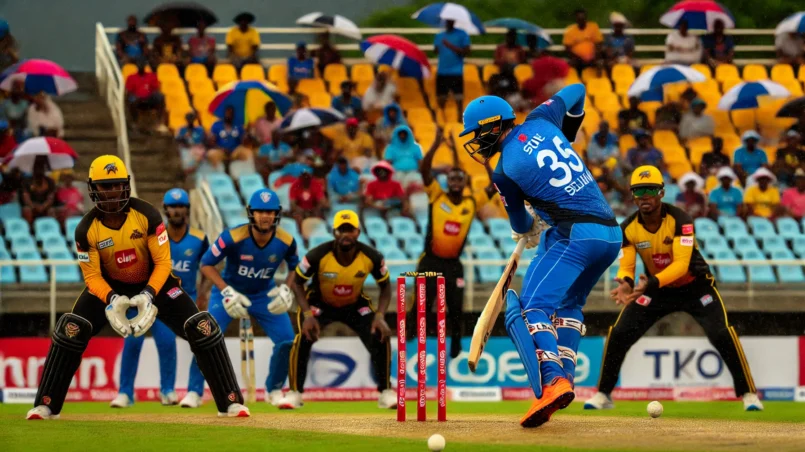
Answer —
235 303
146 313
533 234
281 299
116 314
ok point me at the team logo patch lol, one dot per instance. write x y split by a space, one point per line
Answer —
176 194
460 283
215 251
342 290
686 241
126 258
364 311
668 241
105 243
329 275
71 330
707 299
136 234
272 258
452 228
315 310
522 137
465 211
110 168
643 300
687 229
175 292
221 243
232 397
360 274
548 102
162 234
246 257
265 196
46 400
645 175
204 327
188 252
643 245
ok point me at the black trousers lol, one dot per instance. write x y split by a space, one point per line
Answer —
702 301
358 316
453 272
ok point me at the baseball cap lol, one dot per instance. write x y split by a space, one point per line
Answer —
750 134
646 176
697 102
301 45
343 217
799 172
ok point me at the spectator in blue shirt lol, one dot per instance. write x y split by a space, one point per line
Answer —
403 152
392 117
226 135
191 134
748 158
618 46
603 146
452 45
276 153
300 66
718 47
644 153
726 199
347 103
343 182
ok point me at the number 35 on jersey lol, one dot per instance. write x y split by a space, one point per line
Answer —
567 164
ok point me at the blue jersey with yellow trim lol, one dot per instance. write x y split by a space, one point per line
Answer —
186 256
249 267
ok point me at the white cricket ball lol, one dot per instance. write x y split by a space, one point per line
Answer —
436 442
654 409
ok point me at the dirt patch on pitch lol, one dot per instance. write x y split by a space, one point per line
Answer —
564 430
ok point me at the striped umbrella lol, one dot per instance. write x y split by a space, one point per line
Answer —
40 76
311 117
655 78
794 23
436 13
334 24
700 14
59 154
248 98
745 95
524 28
399 53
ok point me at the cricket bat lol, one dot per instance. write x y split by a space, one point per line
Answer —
483 328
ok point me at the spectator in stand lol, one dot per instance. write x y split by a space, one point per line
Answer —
264 127
718 47
192 140
451 45
504 84
69 197
549 77
308 198
794 197
392 117
192 133
532 49
384 193
668 117
799 127
403 152
243 41
242 160
618 47
38 193
300 66
14 108
762 198
696 123
726 199
644 153
681 47
790 48
326 53
632 118
748 158
276 153
300 100
582 41
45 117
715 159
225 134
602 147
348 103
9 51
167 47
690 199
201 48
10 186
354 143
132 45
343 182
509 53
7 141
788 159
142 89
378 96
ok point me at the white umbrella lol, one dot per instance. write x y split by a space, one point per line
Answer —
654 78
794 23
310 117
335 24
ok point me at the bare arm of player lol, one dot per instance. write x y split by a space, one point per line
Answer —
426 165
204 287
310 326
379 323
625 276
212 274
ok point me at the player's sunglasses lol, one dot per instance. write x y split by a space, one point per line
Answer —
646 191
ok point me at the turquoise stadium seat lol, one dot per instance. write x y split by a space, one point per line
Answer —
54 243
422 222
375 227
482 242
284 194
16 227
318 239
70 226
10 210
65 273
402 226
788 228
227 200
744 245
46 226
799 246
488 273
7 274
671 192
706 228
761 227
32 273
762 273
729 273
414 245
788 273
419 204
236 220
23 244
232 212
715 244
734 230
250 183
395 270
289 225
476 230
500 229
386 242
507 247
525 259
772 244
220 183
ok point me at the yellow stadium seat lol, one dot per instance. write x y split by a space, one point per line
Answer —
610 116
309 86
425 128
726 72
731 142
598 86
448 115
572 76
335 86
195 71
335 71
650 109
622 87
411 99
678 168
167 71
590 73
277 72
471 72
172 86
743 120
606 101
580 144
523 72
707 86
729 83
769 124
252 72
489 70
664 139
755 72
646 67
362 72
176 120
320 100
698 147
202 101
673 92
702 69
207 120
623 72
592 119
782 73
128 69
223 74
722 120
793 86
282 85
625 143
419 115
362 86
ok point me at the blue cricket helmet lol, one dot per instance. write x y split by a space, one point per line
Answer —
176 197
485 110
264 199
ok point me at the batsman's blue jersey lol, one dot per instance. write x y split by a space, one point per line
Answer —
538 165
185 257
249 267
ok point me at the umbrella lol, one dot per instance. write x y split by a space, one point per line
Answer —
745 95
792 109
59 154
335 24
700 14
655 78
311 117
526 28
185 14
41 75
436 13
248 97
248 17
794 23
399 53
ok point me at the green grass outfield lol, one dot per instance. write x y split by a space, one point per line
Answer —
114 430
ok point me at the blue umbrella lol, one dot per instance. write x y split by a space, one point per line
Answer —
310 117
655 78
794 23
524 28
436 14
745 94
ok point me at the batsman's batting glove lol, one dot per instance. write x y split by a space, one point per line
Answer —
146 313
533 234
235 303
116 314
281 299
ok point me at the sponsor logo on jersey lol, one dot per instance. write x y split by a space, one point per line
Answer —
661 260
668 241
136 234
533 143
460 283
452 228
383 268
105 243
360 274
110 168
252 273
71 330
180 266
126 258
246 257
687 229
304 266
366 310
342 290
577 185
188 252
707 299
446 208
329 275
643 300
162 234
686 241
643 245
83 256
175 292
215 251
221 243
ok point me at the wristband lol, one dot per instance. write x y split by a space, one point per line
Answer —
307 314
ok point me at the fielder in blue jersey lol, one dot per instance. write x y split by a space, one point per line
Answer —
187 245
253 252
538 165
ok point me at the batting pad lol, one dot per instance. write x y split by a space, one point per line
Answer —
207 343
518 332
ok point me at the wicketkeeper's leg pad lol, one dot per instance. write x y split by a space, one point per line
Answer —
278 365
518 332
207 343
69 341
569 324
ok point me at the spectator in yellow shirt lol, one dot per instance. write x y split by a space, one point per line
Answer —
582 41
354 143
243 41
762 199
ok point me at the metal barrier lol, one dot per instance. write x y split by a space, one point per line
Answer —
205 214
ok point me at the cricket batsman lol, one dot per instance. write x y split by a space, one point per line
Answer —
537 164
678 279
253 252
124 254
187 245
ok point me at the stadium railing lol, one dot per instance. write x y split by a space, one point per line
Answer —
205 214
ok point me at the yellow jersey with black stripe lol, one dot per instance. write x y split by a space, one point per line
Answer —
341 284
131 258
449 223
670 254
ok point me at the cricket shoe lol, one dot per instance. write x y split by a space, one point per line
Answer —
387 399
39 413
191 400
555 396
274 397
121 401
236 410
291 401
169 399
599 401
752 402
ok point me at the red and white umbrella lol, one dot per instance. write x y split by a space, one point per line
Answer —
700 14
39 76
399 53
59 154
